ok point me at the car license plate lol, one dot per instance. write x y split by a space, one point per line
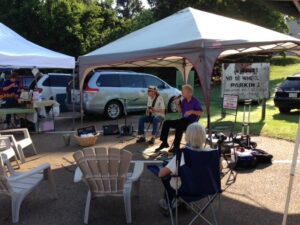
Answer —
293 95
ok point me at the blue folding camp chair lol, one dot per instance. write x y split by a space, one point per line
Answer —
199 179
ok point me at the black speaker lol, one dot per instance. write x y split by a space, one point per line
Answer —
127 130
110 129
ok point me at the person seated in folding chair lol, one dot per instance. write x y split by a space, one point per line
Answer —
195 140
155 114
192 174
190 109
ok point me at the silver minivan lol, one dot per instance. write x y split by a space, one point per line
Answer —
109 92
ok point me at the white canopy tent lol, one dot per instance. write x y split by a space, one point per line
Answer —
17 52
189 38
186 39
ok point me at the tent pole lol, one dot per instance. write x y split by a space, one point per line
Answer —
81 106
73 101
184 71
292 175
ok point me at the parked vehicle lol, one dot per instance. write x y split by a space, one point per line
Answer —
51 84
107 92
287 94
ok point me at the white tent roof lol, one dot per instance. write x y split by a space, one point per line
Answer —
17 52
191 25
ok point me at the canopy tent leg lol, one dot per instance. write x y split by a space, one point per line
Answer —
206 92
73 102
204 65
292 175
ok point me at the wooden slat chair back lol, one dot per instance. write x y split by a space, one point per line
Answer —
104 170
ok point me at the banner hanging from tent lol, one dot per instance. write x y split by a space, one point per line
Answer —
246 80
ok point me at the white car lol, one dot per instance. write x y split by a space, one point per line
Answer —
51 84
110 92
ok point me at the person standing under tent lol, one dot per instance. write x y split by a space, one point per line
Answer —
11 91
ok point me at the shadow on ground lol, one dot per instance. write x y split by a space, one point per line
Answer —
293 116
256 198
39 208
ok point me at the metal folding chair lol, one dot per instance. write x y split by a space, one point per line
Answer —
158 130
199 179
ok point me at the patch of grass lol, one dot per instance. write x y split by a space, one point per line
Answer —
275 125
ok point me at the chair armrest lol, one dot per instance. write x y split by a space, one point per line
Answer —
36 170
77 175
24 130
137 170
11 136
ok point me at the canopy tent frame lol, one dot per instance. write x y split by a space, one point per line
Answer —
196 39
184 65
17 52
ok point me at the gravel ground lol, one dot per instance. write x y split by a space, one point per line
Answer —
257 196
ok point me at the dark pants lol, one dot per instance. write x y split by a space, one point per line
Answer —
155 120
9 104
180 126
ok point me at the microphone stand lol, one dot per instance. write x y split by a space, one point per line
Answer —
127 131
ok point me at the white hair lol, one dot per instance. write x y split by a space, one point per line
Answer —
195 136
188 87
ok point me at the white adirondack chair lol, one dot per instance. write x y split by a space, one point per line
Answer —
21 144
18 185
105 171
7 149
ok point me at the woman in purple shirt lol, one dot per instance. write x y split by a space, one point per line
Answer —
190 109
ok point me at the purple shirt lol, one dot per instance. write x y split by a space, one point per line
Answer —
193 104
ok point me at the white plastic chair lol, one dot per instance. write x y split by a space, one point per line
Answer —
6 148
105 171
18 185
19 145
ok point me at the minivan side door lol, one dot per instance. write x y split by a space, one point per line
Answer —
133 89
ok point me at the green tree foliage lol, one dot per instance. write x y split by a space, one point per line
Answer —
76 27
73 27
254 11
129 8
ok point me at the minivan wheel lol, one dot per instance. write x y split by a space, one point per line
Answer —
284 110
113 110
172 105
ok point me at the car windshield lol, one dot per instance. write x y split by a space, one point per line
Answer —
291 84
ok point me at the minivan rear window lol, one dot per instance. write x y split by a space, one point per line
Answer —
133 81
108 80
